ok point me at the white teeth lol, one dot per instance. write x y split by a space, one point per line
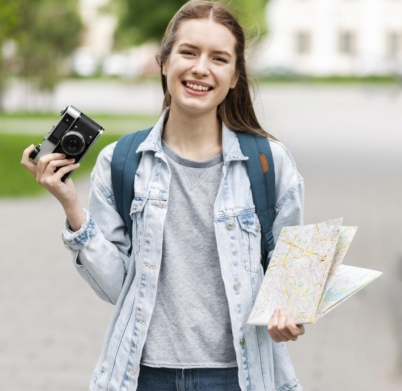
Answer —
196 87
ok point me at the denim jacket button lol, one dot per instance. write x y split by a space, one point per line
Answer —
230 224
237 285
242 341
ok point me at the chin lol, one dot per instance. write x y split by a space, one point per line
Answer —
194 107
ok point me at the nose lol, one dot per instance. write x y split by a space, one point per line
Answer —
201 66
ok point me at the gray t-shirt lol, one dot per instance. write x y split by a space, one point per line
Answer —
190 325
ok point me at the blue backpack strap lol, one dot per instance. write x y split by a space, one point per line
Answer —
124 165
261 172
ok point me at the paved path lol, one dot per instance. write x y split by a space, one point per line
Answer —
347 148
51 324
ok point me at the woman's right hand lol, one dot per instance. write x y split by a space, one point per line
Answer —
47 176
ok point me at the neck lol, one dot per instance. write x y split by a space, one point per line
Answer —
192 136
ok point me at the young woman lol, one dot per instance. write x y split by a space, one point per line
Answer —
184 290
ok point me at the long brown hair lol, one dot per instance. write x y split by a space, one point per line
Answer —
236 110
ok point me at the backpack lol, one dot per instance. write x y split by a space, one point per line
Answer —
260 169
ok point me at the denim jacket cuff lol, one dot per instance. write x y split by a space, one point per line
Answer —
79 239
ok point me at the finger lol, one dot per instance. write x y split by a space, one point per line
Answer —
27 151
273 327
273 322
275 336
295 329
301 329
64 170
44 160
58 163
54 180
283 330
26 162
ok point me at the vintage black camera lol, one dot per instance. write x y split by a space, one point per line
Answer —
74 135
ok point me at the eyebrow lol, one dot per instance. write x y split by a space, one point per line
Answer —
224 52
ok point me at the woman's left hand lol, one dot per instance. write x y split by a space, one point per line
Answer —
282 328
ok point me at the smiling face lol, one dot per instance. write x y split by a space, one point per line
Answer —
201 67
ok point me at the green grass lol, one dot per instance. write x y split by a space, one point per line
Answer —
16 181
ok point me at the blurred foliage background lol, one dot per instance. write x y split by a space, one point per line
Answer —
43 42
140 21
36 37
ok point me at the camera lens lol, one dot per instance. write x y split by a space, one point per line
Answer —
72 143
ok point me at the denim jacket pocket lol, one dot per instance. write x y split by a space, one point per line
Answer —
137 215
251 241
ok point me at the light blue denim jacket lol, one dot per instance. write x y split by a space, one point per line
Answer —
100 251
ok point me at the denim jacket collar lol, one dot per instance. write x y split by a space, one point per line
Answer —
230 143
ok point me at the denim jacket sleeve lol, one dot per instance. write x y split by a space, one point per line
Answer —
289 190
101 247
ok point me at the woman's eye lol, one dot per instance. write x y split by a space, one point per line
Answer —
187 52
220 59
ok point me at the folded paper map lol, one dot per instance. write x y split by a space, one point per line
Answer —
305 275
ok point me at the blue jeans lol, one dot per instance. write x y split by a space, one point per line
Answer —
197 379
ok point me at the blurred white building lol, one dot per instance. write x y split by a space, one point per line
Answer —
95 52
97 37
333 37
99 27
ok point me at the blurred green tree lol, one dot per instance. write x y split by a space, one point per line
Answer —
9 22
49 32
45 32
140 21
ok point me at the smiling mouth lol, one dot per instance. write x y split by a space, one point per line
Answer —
196 87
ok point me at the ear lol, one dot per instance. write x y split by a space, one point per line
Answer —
234 80
165 67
